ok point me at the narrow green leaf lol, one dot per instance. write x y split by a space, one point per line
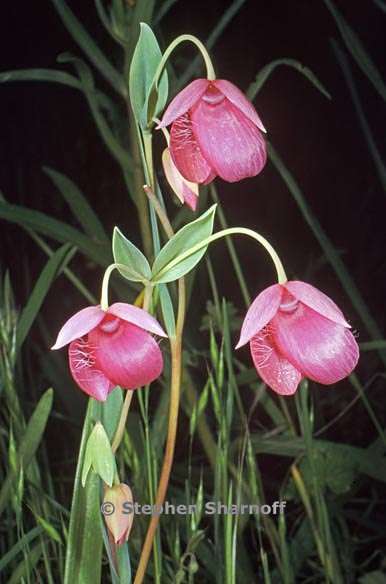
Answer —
357 50
87 81
50 75
20 546
28 444
137 268
57 230
268 69
183 241
87 44
167 311
146 58
373 149
84 544
78 204
111 411
24 571
50 271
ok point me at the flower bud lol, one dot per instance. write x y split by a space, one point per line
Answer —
116 509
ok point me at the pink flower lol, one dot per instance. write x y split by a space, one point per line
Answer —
215 131
112 348
296 331
118 515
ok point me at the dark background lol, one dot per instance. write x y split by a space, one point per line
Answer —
319 140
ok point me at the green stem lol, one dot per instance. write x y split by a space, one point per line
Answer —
122 421
105 283
192 39
281 275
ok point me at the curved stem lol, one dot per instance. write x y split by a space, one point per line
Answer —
105 284
281 275
192 39
122 421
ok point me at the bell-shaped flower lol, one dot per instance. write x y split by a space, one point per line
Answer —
215 131
296 331
113 347
116 507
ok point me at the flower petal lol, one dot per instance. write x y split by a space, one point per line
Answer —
274 369
137 316
79 325
320 302
261 311
91 380
321 349
128 355
238 99
184 101
186 153
228 140
187 192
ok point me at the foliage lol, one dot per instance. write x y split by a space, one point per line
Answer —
233 431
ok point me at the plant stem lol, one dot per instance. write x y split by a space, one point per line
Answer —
211 75
175 385
281 275
176 355
122 421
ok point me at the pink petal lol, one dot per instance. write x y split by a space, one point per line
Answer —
184 101
261 311
320 302
128 355
137 316
186 153
238 99
84 372
321 349
186 191
190 197
274 369
79 325
228 140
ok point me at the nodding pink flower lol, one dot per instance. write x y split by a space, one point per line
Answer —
112 348
215 131
296 331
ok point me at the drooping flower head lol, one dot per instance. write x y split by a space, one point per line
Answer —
110 348
296 331
215 131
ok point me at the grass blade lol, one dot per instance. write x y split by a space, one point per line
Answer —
87 44
344 64
28 444
84 545
357 50
58 230
52 268
268 69
79 205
